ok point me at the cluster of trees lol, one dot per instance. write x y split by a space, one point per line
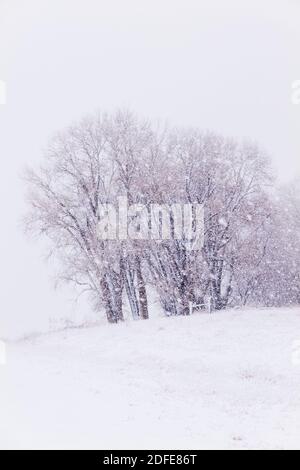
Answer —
251 244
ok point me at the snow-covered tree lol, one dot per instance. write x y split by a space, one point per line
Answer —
250 251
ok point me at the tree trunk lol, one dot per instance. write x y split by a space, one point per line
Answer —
112 297
142 293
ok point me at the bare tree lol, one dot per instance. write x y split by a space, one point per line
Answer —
105 158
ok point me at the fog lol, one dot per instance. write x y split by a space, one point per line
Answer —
214 64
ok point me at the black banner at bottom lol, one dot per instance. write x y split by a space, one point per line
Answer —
110 458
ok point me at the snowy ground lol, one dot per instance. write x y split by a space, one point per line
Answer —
227 380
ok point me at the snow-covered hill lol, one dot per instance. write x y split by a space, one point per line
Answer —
229 380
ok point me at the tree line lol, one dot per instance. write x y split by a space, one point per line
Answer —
250 253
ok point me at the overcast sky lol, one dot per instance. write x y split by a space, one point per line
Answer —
226 65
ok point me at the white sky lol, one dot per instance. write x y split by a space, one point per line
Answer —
226 65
